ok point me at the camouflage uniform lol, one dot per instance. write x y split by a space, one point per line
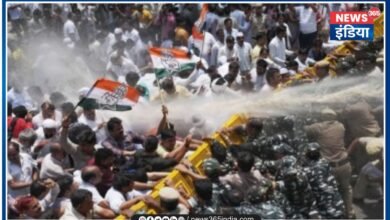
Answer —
259 197
207 208
298 192
246 208
324 188
278 199
218 189
284 164
212 168
269 210
262 148
227 165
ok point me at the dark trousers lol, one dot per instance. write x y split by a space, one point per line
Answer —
306 40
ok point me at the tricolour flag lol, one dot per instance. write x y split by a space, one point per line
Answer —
197 37
202 17
110 95
170 61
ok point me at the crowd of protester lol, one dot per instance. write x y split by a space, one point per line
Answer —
71 164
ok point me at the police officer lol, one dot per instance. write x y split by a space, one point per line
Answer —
323 184
206 203
234 199
259 197
298 192
211 168
219 152
330 134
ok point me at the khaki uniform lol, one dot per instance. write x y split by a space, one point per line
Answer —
330 135
360 122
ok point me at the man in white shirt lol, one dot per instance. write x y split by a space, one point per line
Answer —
237 15
114 38
18 98
70 29
48 111
56 164
45 134
21 171
119 196
207 44
119 66
93 118
244 53
228 53
138 52
258 74
219 43
91 176
303 61
98 48
35 25
229 30
82 206
211 20
273 79
307 15
277 47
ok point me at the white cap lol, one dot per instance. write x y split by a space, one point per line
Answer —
292 72
169 193
240 34
374 145
49 123
218 88
118 31
133 36
283 71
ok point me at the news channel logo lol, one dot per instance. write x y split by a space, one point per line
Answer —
353 25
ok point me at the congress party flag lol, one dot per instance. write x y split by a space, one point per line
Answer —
167 62
110 95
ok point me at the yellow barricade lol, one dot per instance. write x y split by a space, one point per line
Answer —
378 26
196 159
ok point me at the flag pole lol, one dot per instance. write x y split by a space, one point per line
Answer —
160 93
201 52
81 101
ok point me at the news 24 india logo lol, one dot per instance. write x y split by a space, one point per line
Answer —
357 25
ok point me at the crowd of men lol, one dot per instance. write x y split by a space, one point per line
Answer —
68 163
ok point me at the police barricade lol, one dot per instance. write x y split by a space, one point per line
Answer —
196 159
